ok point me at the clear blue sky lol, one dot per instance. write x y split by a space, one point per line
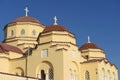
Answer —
100 19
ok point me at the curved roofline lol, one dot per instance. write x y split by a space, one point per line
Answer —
89 46
6 48
56 28
26 19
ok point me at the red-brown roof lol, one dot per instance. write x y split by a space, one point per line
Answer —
6 48
26 19
88 46
55 28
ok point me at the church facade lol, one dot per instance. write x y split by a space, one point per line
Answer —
33 51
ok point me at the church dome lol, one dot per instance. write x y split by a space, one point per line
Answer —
26 19
89 46
6 48
55 28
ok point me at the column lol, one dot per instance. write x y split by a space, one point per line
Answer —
47 75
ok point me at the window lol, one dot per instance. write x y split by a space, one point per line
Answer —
114 76
33 32
12 33
50 74
103 74
86 75
73 54
43 76
73 75
44 53
108 75
22 32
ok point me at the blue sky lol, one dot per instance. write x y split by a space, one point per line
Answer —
100 19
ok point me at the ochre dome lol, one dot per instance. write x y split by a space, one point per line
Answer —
55 28
88 46
26 19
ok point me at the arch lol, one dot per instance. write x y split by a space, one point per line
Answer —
19 71
87 75
48 70
22 32
76 66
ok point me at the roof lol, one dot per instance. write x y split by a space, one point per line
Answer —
88 46
55 28
26 19
6 48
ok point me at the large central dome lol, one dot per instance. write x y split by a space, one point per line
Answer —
26 19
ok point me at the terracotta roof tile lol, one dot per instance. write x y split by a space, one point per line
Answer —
6 48
55 28
88 46
26 19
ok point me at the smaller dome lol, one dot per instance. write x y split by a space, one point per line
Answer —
26 19
88 46
6 48
55 28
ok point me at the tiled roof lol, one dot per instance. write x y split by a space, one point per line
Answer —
55 28
6 48
88 46
26 19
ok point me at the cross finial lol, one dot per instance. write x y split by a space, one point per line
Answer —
89 39
55 20
26 11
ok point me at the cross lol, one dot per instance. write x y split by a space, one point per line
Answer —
55 20
26 11
89 39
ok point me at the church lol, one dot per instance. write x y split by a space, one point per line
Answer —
33 51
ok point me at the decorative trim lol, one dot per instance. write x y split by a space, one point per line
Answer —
61 49
59 45
57 42
57 34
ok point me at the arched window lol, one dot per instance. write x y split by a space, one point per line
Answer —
71 74
103 74
87 76
114 76
19 71
22 32
108 75
75 75
33 32
12 32
43 76
50 74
